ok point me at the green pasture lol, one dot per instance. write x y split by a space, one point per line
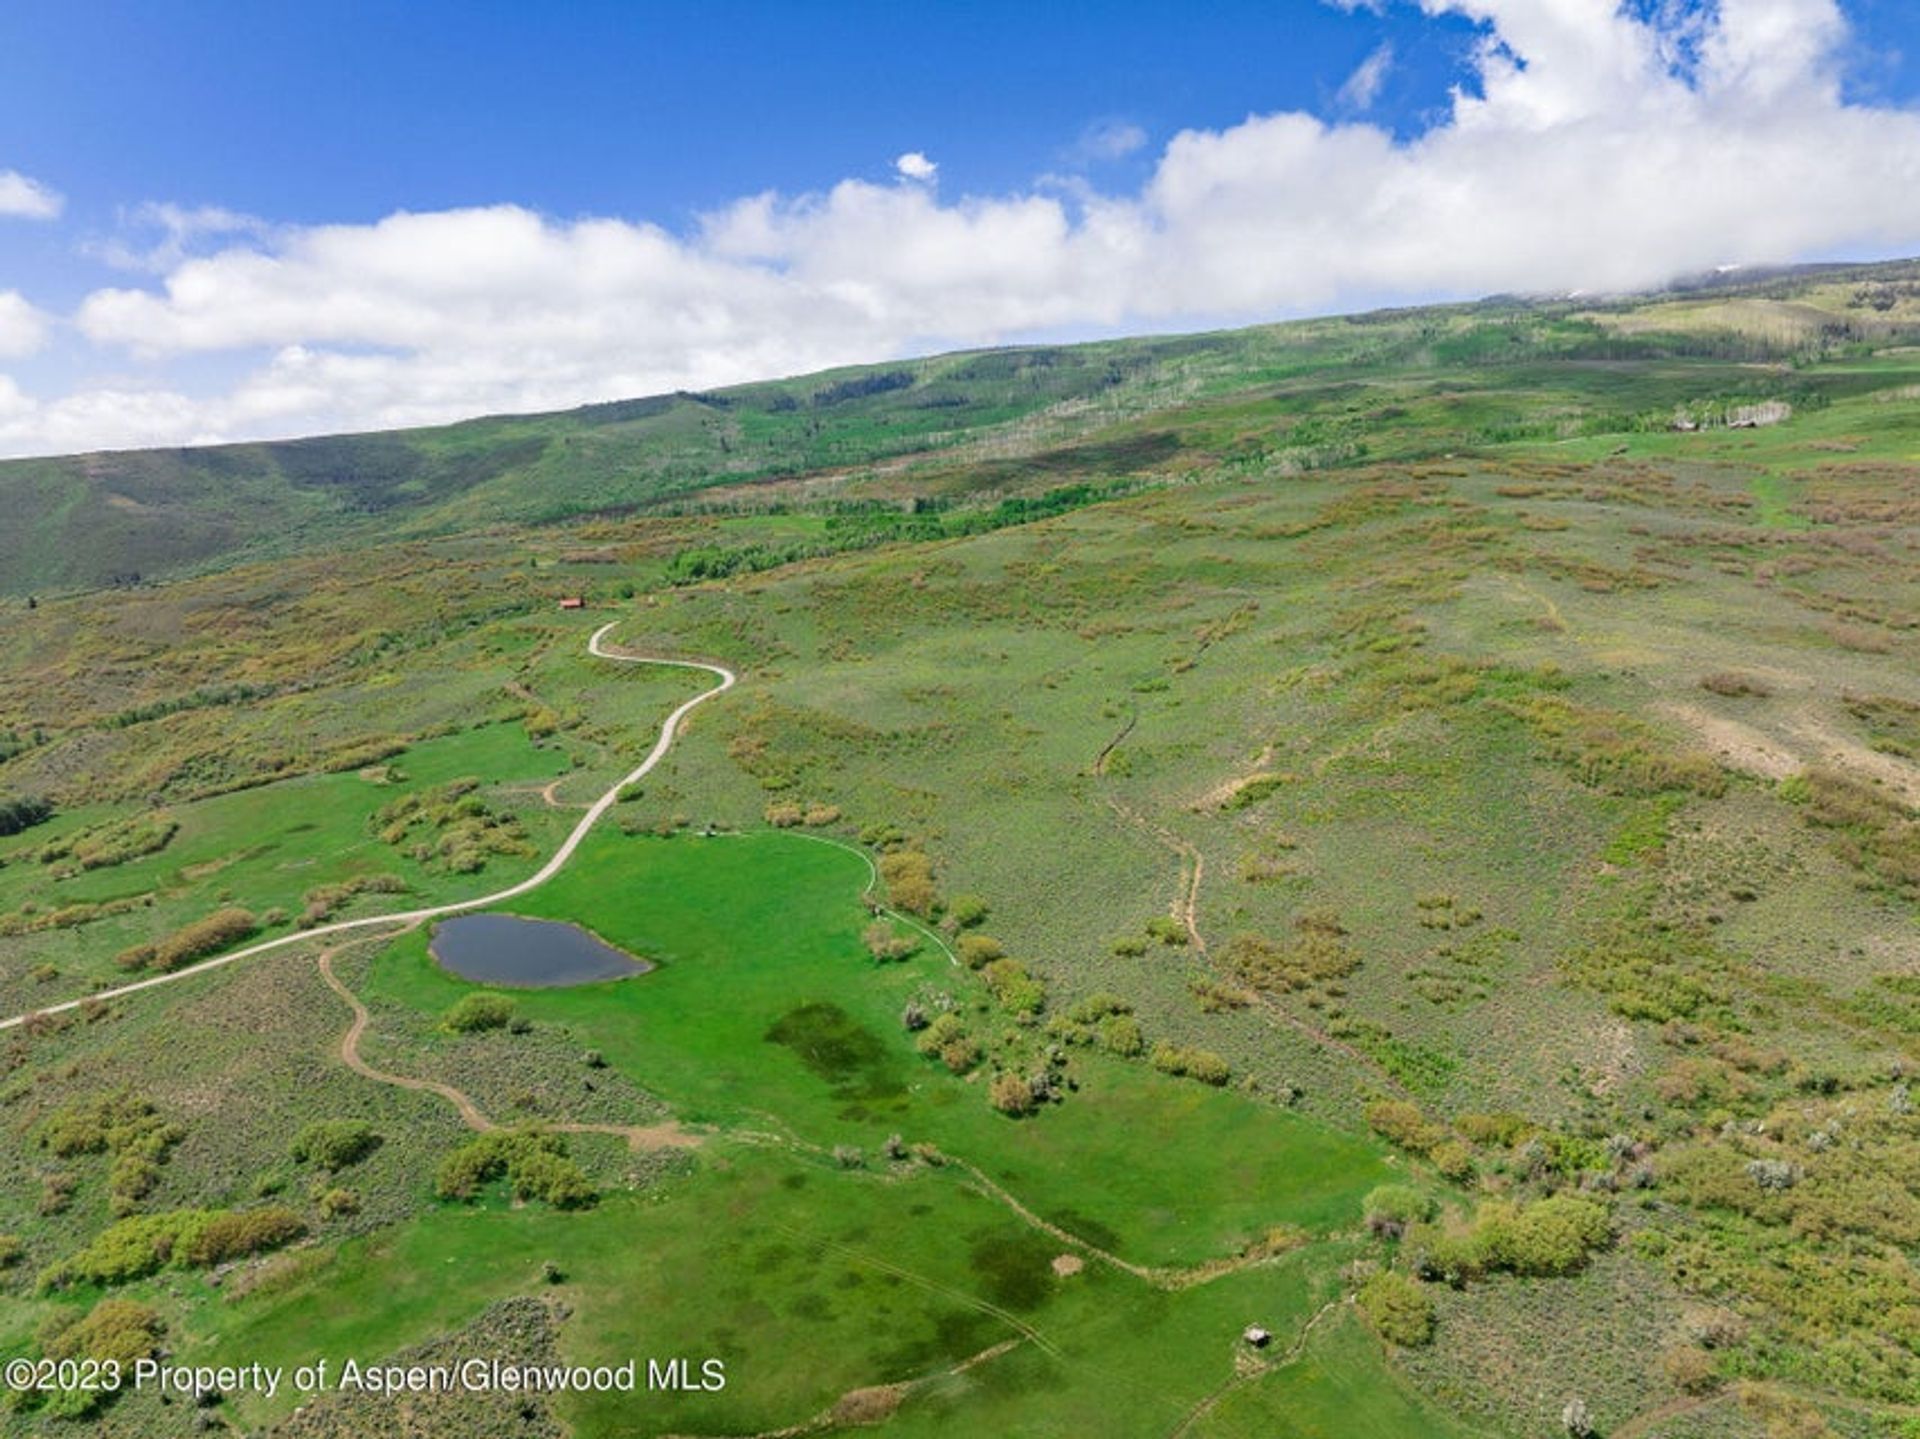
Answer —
809 1283
756 932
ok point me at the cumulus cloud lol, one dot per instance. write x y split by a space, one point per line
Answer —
23 329
1594 149
1362 87
22 198
14 406
103 418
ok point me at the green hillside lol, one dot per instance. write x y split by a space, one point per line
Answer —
1400 835
1398 384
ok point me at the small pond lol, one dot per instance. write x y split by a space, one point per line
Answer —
535 953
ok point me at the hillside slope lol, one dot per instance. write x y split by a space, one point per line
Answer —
1401 384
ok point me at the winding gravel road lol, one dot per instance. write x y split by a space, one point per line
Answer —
553 866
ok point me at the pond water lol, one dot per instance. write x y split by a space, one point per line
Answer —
537 953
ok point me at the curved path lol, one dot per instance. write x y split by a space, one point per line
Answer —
553 866
665 1135
470 1113
873 882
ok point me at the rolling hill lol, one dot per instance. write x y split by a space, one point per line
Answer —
1356 877
1399 384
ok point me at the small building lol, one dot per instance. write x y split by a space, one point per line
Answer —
1256 1337
573 602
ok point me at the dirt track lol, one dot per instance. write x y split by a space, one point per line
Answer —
668 1135
668 730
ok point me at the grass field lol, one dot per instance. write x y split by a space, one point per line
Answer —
755 930
883 1280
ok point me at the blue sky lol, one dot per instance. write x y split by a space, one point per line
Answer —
210 186
341 112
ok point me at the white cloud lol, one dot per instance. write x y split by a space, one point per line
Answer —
25 199
1109 139
97 419
14 406
156 236
915 166
1362 87
23 329
1595 151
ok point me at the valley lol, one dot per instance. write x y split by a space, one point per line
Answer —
1395 833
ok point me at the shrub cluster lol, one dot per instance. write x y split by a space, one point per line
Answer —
464 830
885 944
364 754
146 1243
964 911
1655 976
1016 989
236 1233
220 930
203 698
121 1124
1201 1064
478 1012
324 900
908 876
334 1143
977 951
1249 794
117 1330
336 1201
534 1164
1214 997
1734 685
1392 1209
1612 751
1871 829
102 846
1121 1034
1101 1018
1012 1095
1167 930
1893 724
1401 1122
786 814
1551 1236
1397 1308
1314 954
114 1329
947 1040
19 813
29 919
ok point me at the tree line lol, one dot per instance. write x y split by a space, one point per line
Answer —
867 528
